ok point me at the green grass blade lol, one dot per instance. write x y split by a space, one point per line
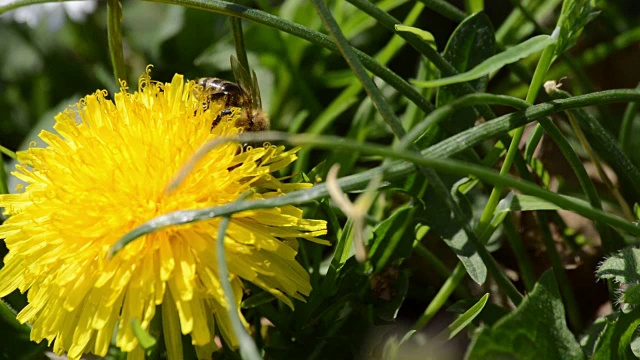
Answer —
496 62
114 29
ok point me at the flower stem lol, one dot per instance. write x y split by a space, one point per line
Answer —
114 31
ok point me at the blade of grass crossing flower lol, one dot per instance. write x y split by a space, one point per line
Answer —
435 154
248 349
496 62
114 30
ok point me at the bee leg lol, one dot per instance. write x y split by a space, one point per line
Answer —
225 112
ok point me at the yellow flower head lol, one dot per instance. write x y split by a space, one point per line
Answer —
105 174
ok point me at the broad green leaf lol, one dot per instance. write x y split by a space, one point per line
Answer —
471 43
592 335
14 337
623 267
614 342
393 238
535 330
423 34
465 319
441 221
8 316
496 62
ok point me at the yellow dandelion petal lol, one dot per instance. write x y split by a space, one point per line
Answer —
102 173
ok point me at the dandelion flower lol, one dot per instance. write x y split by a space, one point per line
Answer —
104 174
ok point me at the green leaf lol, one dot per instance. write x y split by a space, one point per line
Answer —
471 43
256 300
423 34
592 336
522 202
575 15
393 238
520 51
623 267
615 341
465 319
631 295
145 339
441 221
535 330
8 316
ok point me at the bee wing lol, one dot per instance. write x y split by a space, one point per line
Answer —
247 83
241 75
256 92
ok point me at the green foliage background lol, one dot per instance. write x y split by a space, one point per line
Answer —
432 217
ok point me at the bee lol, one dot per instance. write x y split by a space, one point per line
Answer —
244 95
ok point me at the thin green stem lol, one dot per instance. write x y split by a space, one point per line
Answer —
538 77
4 187
238 40
114 31
441 297
248 349
8 152
439 267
